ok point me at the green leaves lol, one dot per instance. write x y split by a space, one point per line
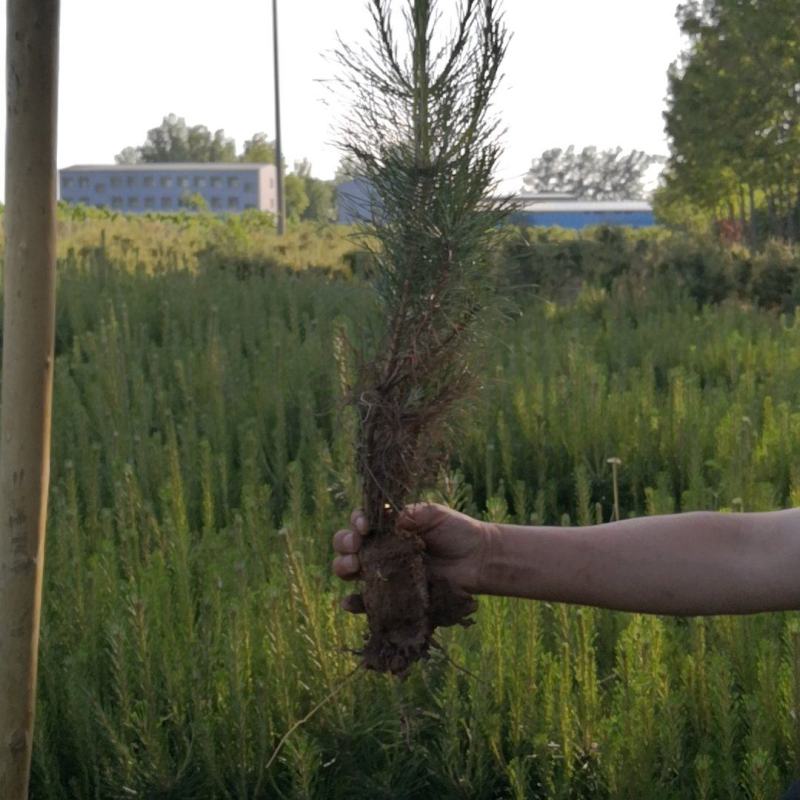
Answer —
733 117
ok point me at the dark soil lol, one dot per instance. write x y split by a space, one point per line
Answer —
404 603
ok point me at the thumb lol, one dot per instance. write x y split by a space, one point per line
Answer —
420 517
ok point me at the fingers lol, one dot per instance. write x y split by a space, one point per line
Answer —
354 603
347 567
358 522
346 542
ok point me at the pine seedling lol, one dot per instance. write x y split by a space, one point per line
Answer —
423 141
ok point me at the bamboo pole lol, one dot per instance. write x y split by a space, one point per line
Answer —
27 369
278 139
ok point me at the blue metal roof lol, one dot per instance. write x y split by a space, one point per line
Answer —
355 204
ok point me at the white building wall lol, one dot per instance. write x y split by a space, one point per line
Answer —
268 189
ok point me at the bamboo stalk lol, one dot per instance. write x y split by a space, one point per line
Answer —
615 462
27 371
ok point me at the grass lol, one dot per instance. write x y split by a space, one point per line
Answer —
201 462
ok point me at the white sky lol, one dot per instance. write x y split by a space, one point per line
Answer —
577 72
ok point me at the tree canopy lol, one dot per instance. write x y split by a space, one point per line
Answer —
590 173
733 116
175 141
307 197
346 170
259 150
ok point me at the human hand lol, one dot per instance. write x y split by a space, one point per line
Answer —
455 547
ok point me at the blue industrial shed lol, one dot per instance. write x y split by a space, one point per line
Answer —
354 203
577 214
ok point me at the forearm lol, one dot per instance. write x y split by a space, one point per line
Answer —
686 564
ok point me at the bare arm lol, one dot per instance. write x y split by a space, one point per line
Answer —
687 564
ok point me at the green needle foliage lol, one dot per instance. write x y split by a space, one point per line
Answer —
421 136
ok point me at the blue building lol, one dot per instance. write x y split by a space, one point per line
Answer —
165 187
354 203
543 211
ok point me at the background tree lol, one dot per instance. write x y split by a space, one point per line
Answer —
321 202
590 173
174 141
346 170
260 149
129 155
296 197
733 116
194 201
319 194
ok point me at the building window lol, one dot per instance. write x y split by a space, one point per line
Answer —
183 182
84 200
166 182
133 202
131 180
272 202
199 182
233 202
66 182
148 180
149 202
249 205
216 202
115 181
83 182
116 202
100 188
166 202
248 187
233 182
216 182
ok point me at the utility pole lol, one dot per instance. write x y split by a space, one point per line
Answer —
278 148
27 388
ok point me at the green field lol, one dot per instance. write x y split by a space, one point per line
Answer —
202 460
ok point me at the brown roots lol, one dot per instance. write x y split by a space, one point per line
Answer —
404 602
